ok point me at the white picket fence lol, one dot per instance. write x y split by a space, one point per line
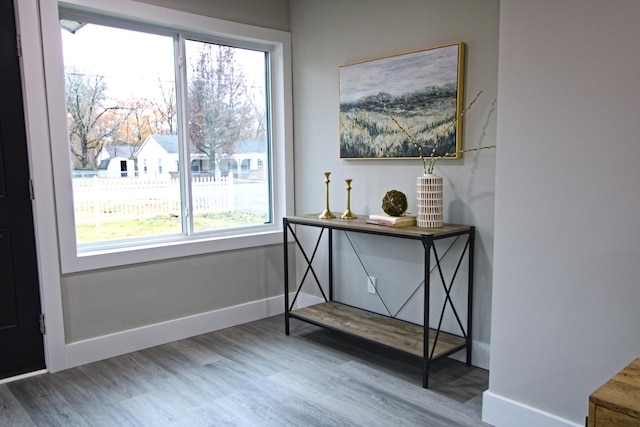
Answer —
97 200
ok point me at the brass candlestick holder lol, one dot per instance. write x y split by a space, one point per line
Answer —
348 214
327 213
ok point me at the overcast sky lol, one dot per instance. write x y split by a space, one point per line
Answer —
131 61
399 74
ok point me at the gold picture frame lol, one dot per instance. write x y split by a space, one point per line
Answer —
422 90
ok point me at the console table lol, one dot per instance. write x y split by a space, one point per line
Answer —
617 402
427 344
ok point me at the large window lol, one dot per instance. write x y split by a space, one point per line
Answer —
172 137
122 108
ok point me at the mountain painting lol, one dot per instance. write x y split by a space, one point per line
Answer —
421 90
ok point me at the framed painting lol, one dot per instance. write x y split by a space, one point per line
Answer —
422 91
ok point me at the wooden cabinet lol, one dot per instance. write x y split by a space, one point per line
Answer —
617 402
427 344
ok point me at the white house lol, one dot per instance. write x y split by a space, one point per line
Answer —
248 161
110 151
116 167
115 161
158 156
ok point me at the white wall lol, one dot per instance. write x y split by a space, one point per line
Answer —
270 14
566 274
327 34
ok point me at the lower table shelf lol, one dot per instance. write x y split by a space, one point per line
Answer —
390 332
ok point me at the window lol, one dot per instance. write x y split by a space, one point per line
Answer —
203 112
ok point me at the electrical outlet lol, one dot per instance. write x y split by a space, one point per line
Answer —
371 284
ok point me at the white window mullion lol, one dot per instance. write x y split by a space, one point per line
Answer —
183 137
271 160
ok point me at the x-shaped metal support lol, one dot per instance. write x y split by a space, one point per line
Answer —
288 229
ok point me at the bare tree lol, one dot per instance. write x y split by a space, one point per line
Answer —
138 118
258 108
166 109
220 112
90 123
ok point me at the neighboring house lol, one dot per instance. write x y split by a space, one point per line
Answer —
248 161
125 151
158 157
116 161
116 167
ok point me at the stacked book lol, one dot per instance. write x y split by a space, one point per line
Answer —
392 221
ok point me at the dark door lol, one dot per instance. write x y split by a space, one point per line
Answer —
21 341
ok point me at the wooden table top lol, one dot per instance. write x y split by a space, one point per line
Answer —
360 224
622 392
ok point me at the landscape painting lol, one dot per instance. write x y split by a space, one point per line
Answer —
421 91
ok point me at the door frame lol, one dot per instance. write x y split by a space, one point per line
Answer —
41 170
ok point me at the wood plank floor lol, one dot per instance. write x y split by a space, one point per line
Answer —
251 375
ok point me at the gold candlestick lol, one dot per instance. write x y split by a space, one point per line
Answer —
348 214
327 213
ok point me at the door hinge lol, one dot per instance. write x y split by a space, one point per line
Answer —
43 328
31 192
18 46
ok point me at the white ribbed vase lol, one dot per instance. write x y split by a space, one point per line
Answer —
429 201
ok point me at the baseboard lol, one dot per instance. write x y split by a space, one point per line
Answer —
480 351
305 300
502 412
479 355
23 376
99 348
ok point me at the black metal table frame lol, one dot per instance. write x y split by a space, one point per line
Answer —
427 239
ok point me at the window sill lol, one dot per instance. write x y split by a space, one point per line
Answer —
162 250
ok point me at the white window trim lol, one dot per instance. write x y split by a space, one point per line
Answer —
279 45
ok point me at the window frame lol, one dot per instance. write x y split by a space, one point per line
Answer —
276 42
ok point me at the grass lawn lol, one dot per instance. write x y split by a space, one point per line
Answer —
161 225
